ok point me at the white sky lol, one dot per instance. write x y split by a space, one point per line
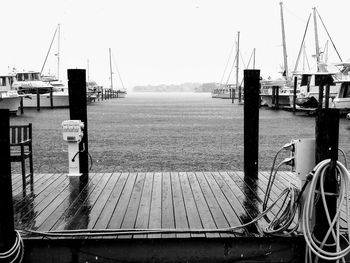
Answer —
163 41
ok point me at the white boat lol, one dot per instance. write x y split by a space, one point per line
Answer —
223 92
9 98
268 92
29 83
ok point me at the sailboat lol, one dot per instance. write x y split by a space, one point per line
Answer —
46 83
268 87
121 93
309 88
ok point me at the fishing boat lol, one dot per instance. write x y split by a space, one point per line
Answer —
9 98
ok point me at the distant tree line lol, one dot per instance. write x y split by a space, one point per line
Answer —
184 87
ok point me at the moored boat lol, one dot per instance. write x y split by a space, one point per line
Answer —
9 98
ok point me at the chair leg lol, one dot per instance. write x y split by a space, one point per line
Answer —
31 172
24 184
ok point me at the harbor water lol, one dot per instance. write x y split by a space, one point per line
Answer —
167 132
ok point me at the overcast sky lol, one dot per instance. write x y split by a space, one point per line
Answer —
161 41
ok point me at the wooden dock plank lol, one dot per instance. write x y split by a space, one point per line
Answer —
129 219
238 206
75 217
107 201
217 213
28 207
194 219
43 200
155 220
179 205
257 189
203 209
167 205
71 195
225 206
121 207
145 205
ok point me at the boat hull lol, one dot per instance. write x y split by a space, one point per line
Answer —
10 103
60 100
266 100
121 95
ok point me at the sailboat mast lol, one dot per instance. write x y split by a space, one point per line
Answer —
254 58
316 39
237 67
58 51
110 67
284 43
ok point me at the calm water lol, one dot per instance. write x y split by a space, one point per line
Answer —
166 132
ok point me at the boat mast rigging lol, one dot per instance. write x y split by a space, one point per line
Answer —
285 73
110 67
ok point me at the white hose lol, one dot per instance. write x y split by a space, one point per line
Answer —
15 252
315 246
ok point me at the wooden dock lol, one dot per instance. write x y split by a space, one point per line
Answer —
167 200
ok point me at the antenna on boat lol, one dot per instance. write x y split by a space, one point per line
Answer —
254 58
110 67
284 43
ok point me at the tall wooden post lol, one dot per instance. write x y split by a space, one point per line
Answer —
251 122
7 233
51 99
295 93
78 111
327 138
327 96
277 98
37 100
21 105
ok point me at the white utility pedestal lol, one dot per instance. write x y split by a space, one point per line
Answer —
73 133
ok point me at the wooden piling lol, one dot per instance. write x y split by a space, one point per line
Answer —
327 96
78 111
37 100
7 234
277 105
320 96
251 122
295 93
327 139
51 99
21 105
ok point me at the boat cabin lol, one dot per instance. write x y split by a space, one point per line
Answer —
342 100
6 83
28 76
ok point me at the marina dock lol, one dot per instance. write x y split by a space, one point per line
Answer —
164 200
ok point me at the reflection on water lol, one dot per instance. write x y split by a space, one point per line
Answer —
77 215
24 213
250 203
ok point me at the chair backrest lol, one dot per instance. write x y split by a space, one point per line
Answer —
20 133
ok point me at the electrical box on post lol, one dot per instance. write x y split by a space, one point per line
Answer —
72 131
304 157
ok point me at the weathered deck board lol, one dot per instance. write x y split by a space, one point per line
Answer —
168 200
